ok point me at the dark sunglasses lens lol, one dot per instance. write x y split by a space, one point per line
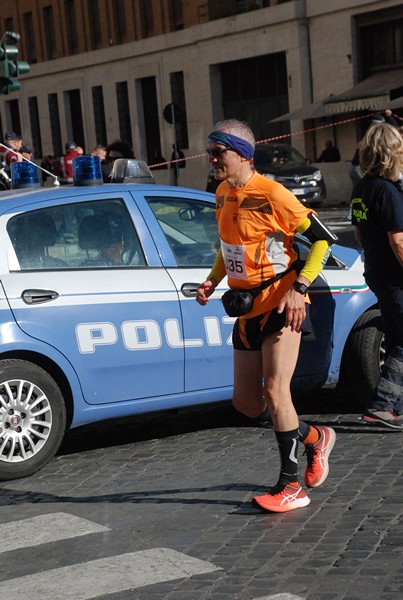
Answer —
216 152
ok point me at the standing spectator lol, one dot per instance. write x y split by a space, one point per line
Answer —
179 156
330 153
12 144
389 118
100 151
26 152
212 182
377 215
117 149
257 219
159 160
354 170
178 161
46 163
63 166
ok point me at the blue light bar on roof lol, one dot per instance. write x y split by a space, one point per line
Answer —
87 170
24 175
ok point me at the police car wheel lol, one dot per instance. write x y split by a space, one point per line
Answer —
32 418
365 354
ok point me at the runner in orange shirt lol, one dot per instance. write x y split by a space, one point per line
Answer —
257 219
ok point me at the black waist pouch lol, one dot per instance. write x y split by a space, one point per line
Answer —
239 302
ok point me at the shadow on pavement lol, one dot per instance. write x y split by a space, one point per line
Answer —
139 428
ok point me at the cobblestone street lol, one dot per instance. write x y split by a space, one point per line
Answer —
184 482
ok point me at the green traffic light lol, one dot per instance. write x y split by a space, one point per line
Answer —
8 85
22 67
10 68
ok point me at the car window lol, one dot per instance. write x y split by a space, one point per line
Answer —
190 228
275 155
82 235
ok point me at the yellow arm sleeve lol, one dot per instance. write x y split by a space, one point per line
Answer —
318 254
316 260
218 271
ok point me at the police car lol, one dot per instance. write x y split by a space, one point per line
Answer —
98 317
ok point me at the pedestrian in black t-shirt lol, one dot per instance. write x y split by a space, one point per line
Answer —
377 214
330 153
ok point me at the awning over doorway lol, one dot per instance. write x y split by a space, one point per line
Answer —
316 110
372 94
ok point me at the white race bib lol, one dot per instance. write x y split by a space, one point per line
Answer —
234 259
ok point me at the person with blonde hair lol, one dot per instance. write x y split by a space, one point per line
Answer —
257 220
377 216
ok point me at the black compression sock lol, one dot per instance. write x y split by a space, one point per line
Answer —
288 446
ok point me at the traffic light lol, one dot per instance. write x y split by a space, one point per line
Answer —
10 68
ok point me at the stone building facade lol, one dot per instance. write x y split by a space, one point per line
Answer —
102 70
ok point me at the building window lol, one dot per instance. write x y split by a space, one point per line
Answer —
13 112
255 90
119 16
99 115
35 125
147 19
95 27
178 98
71 26
252 78
125 126
151 120
29 36
227 8
381 45
9 24
74 116
55 124
49 27
176 15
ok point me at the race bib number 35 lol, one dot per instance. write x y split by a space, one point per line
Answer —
234 258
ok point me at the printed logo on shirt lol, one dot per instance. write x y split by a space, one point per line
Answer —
359 210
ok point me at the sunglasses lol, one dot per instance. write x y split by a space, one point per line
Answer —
217 152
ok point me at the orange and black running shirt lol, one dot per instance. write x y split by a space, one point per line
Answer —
256 225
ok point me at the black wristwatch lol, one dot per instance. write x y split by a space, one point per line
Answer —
299 287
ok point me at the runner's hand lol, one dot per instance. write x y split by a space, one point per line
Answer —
294 305
204 291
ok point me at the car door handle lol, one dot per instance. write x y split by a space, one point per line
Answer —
38 296
189 289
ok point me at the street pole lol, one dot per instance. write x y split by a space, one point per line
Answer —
175 165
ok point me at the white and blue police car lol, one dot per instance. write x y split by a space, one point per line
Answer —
98 317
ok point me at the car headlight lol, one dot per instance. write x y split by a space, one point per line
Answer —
317 175
269 175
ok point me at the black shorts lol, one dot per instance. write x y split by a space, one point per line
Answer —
249 334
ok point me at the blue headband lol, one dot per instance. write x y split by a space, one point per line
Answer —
232 141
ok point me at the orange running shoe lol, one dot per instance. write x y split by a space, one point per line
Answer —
317 455
282 498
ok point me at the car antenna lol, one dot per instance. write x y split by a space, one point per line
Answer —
56 181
